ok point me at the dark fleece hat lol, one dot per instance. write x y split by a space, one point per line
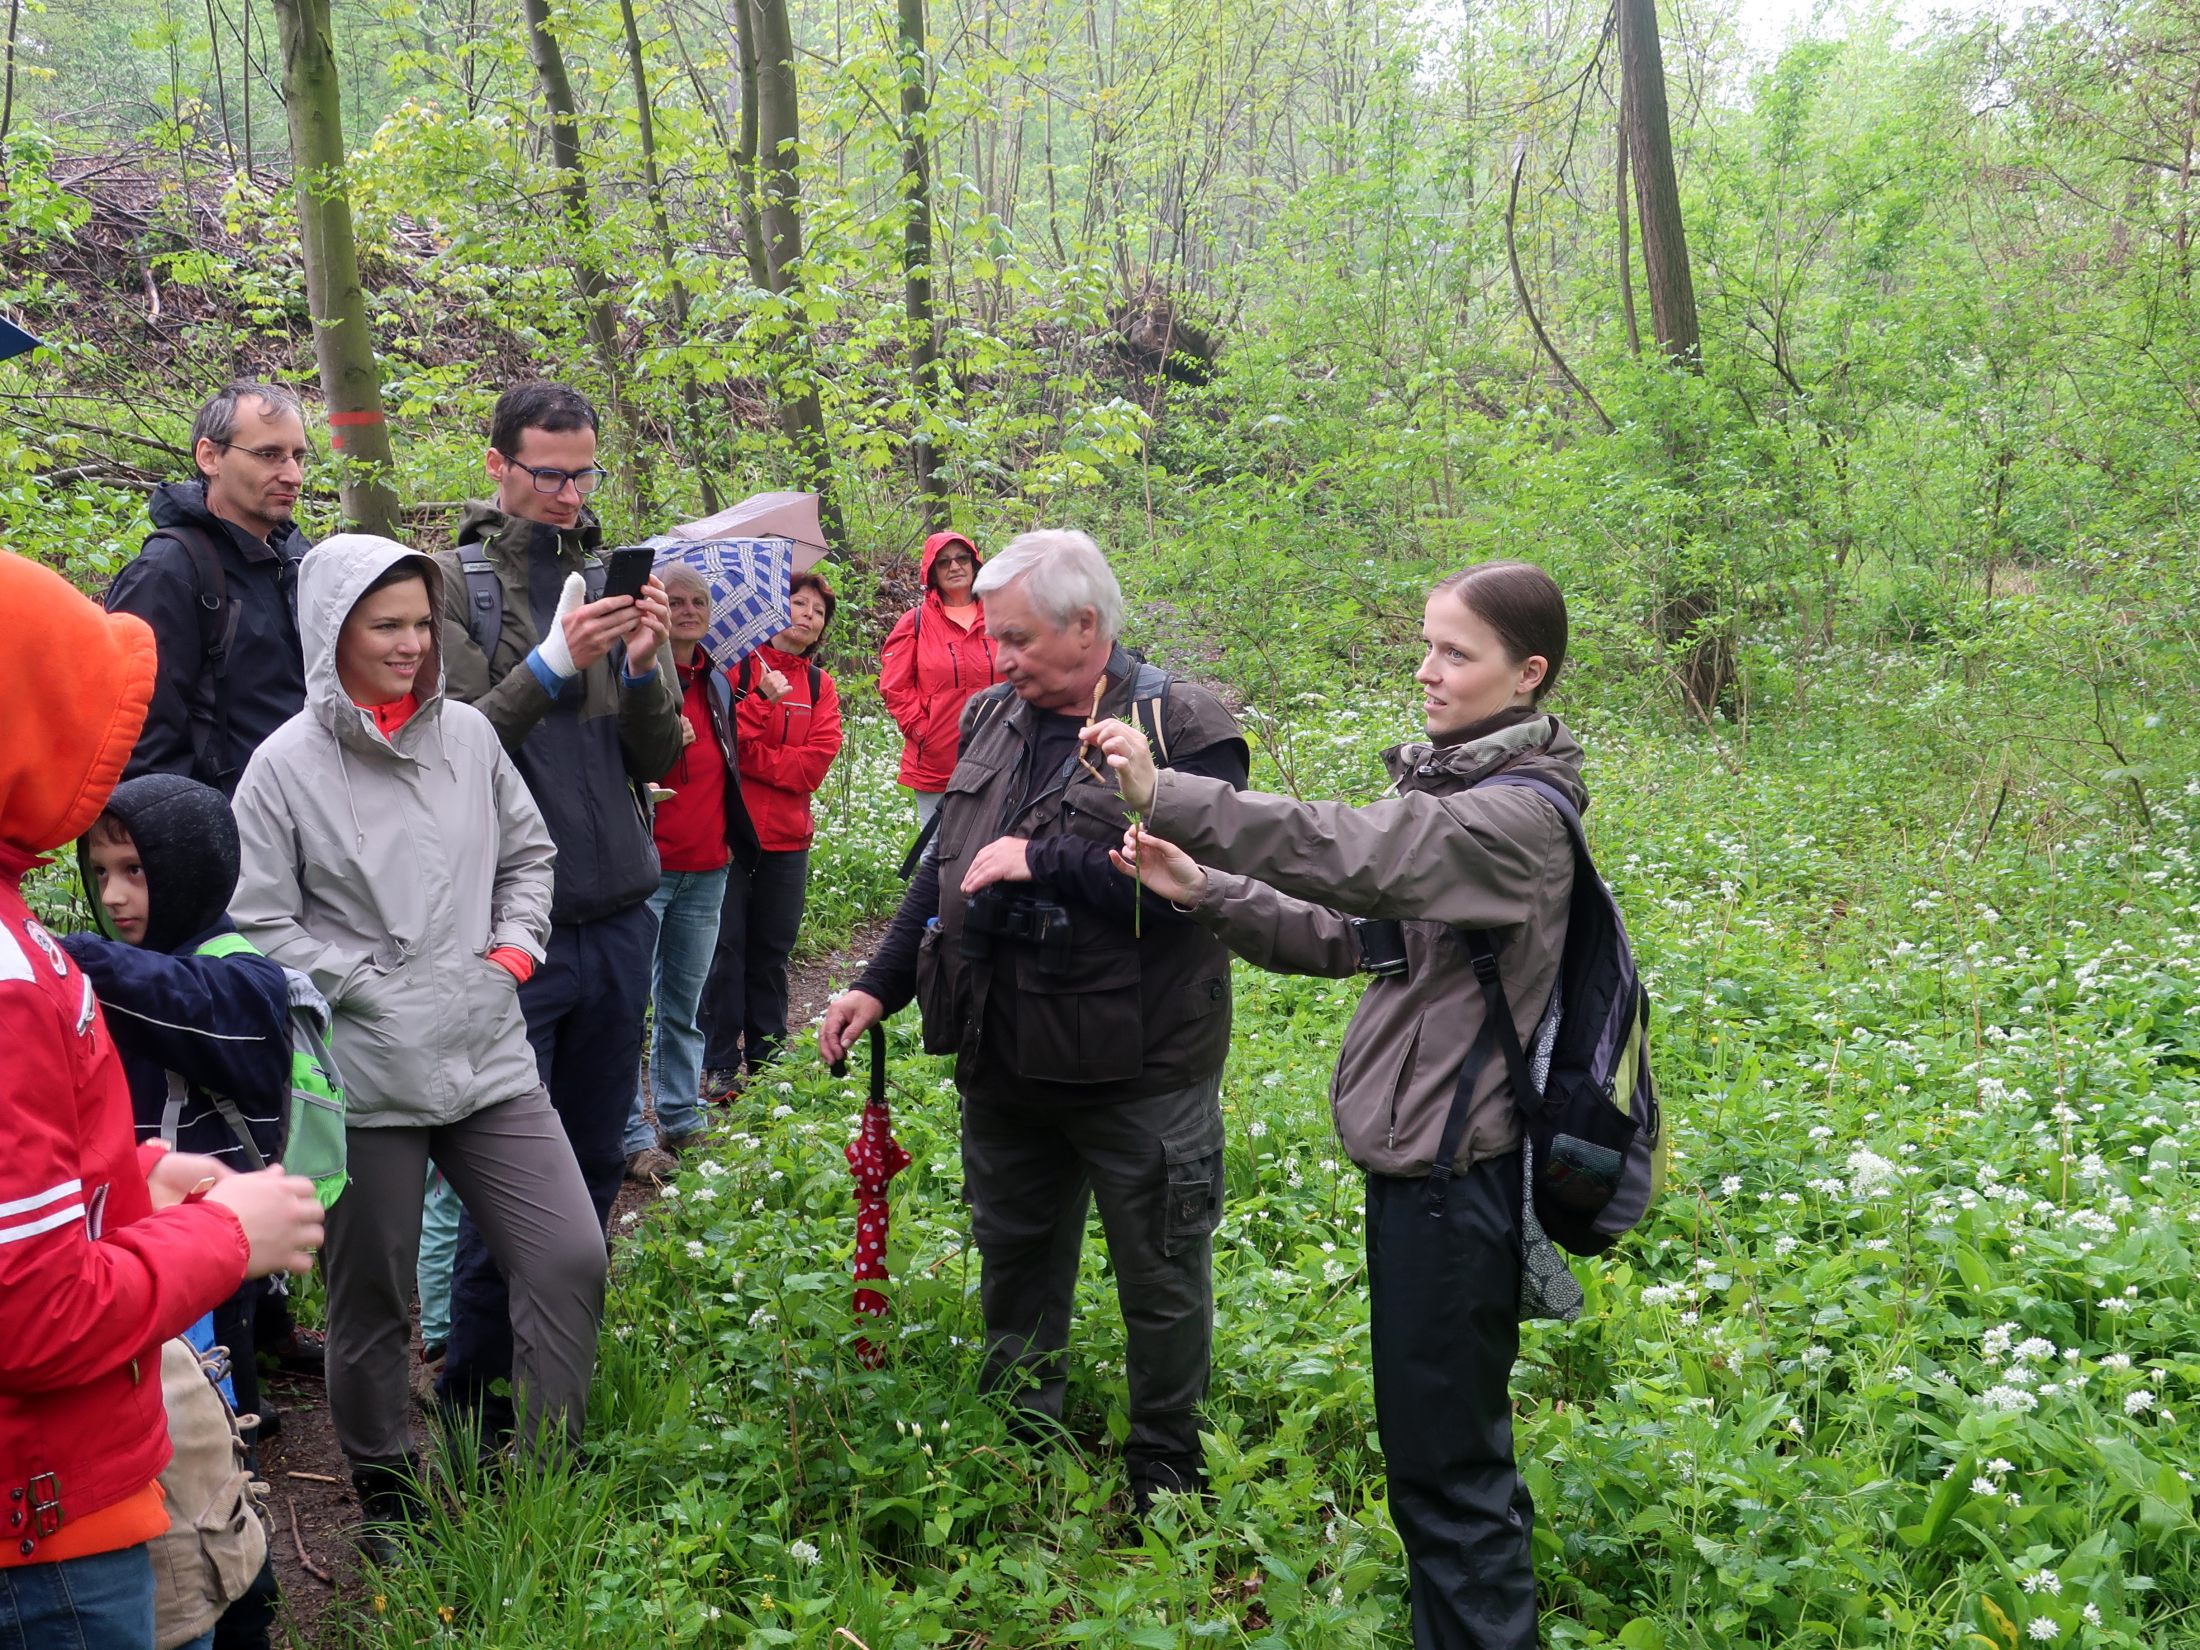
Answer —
187 841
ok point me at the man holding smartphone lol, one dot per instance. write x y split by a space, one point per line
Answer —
573 688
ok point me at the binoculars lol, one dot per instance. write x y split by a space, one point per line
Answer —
994 914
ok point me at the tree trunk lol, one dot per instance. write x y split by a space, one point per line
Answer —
7 96
1657 191
565 154
778 141
691 395
221 85
351 382
1690 618
744 144
1626 252
928 382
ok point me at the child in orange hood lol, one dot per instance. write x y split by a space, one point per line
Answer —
107 1249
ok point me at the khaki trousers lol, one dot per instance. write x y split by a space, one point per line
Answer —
514 1170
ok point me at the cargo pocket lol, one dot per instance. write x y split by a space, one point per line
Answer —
1192 1157
232 1538
939 1004
961 806
1083 1026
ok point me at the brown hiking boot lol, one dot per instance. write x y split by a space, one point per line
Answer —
652 1166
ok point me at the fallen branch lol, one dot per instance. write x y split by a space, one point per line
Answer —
299 1542
314 1477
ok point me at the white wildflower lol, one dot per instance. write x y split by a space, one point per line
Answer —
803 1553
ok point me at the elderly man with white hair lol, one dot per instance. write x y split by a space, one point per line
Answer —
1088 1021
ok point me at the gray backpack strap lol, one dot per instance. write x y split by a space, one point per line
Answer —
171 1119
1150 705
235 1119
484 602
171 1114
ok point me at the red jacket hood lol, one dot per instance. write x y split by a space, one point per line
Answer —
932 548
91 675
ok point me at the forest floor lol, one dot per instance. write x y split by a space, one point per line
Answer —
312 1513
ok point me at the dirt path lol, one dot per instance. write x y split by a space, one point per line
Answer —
311 1508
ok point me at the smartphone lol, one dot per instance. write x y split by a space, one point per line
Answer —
628 569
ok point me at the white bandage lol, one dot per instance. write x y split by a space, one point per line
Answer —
553 648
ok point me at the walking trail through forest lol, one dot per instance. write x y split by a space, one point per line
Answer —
312 1512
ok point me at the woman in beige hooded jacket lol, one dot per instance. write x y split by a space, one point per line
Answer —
1341 888
392 852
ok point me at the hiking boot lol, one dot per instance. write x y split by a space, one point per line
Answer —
299 1352
721 1085
391 1507
675 1144
652 1166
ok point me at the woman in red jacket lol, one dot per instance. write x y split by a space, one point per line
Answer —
937 655
787 731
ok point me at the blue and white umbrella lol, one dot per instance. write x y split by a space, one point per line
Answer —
748 589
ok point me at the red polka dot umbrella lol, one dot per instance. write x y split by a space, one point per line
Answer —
874 1158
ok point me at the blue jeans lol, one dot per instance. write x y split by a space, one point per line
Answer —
104 1602
439 1213
686 903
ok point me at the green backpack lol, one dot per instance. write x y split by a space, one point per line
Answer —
313 1122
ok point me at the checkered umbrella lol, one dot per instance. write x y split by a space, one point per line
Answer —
792 516
748 589
874 1158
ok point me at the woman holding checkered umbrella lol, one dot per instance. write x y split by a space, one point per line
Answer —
788 731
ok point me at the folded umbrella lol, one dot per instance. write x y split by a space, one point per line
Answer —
748 589
789 516
874 1158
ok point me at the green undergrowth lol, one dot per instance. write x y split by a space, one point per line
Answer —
1905 1355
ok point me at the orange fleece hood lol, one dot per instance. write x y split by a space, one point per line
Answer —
77 682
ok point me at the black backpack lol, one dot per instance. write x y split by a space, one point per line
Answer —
218 616
1594 1133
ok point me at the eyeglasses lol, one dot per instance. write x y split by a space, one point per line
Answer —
955 561
300 456
548 480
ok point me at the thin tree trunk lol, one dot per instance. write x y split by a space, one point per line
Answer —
744 142
351 381
7 96
1626 254
1657 189
246 79
927 381
221 85
565 154
691 395
778 149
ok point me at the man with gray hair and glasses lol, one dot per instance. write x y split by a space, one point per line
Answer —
1089 1023
217 579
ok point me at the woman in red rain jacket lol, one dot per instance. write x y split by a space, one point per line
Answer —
787 731
935 658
